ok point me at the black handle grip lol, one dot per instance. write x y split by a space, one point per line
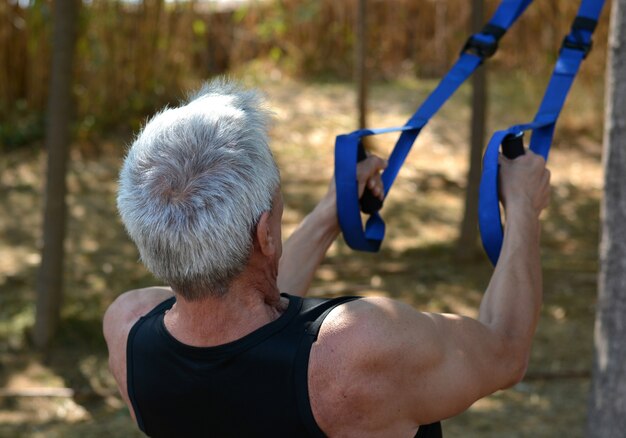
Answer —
369 203
513 145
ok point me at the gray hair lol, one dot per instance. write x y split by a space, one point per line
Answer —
194 184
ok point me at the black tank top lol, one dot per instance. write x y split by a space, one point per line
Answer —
255 386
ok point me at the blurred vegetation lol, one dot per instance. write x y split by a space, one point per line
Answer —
135 57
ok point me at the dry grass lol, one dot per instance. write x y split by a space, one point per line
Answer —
134 56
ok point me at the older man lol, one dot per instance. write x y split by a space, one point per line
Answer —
223 353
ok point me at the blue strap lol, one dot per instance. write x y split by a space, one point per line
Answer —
575 48
508 12
478 47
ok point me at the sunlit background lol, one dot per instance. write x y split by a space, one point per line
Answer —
133 57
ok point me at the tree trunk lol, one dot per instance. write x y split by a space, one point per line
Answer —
59 116
466 247
607 404
441 34
360 67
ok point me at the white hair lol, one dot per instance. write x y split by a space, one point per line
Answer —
194 184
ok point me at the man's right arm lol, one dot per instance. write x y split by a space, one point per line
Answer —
118 320
421 368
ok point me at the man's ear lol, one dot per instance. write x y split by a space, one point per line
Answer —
264 235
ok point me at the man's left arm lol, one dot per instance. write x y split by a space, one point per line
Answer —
305 249
118 320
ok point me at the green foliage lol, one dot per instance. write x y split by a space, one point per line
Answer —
199 27
307 12
240 14
21 127
272 27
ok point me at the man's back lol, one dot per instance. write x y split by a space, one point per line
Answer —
242 388
356 379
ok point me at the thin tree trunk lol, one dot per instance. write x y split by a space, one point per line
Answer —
466 244
59 115
607 405
441 32
360 62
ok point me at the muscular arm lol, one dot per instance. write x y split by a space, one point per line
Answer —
512 301
307 246
403 368
305 249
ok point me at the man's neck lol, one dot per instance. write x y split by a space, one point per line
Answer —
219 320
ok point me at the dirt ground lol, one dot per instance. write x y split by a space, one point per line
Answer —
416 264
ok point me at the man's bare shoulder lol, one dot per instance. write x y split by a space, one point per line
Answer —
356 366
119 319
132 305
366 329
125 311
379 364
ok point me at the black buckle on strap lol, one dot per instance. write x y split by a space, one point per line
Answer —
479 48
585 23
573 40
577 45
484 49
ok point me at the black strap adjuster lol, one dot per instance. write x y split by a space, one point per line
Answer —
577 45
574 41
581 46
484 49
